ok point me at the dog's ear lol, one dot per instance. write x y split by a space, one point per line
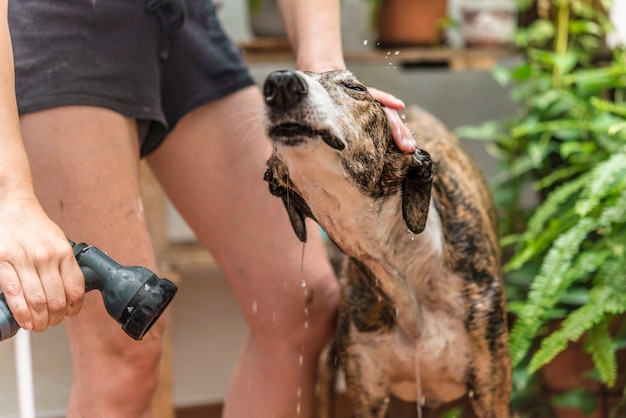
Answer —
416 188
297 219
296 207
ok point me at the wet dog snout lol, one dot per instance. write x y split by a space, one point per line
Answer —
284 89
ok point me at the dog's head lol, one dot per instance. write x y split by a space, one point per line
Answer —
334 158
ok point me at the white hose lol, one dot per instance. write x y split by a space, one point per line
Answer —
24 373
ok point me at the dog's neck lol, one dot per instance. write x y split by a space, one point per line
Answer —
396 257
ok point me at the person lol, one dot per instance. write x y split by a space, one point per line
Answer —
101 84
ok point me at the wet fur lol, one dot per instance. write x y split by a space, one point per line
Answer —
422 293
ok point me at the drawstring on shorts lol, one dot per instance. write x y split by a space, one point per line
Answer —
171 14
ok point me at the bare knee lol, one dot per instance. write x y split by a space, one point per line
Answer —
115 373
304 316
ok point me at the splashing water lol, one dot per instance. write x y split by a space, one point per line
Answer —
299 398
421 399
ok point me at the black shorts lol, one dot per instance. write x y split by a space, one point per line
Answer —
152 60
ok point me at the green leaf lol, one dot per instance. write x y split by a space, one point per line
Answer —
521 72
540 32
607 106
602 349
577 398
608 296
579 26
488 131
545 291
546 211
565 62
600 181
255 6
502 75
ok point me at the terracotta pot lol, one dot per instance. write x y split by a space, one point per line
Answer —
567 371
410 22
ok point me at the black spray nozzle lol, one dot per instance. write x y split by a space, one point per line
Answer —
134 296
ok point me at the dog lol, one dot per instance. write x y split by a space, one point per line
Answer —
422 314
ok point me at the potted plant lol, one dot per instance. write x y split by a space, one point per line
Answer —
408 22
567 268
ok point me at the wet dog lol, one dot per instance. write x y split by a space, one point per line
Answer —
422 313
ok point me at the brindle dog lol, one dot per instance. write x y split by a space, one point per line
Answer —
422 313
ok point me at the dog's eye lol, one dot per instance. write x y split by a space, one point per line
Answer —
356 87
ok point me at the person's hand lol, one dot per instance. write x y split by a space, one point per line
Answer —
39 276
401 134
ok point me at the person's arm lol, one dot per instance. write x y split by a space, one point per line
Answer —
39 276
314 31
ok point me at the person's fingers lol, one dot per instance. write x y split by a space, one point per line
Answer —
73 283
391 104
35 296
14 296
54 292
401 134
386 99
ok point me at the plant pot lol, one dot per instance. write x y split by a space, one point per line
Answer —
568 371
410 22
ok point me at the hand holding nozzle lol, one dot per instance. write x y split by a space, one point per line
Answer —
134 296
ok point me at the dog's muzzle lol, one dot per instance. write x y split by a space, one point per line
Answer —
284 89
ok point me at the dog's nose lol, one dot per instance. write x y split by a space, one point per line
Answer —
283 89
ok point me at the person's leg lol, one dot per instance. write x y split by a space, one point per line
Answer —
212 166
85 169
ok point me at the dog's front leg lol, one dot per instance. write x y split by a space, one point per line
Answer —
367 383
365 332
327 380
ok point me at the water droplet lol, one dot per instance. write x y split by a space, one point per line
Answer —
301 360
402 116
255 307
422 401
471 394
299 393
306 324
365 42
298 408
396 53
303 284
397 312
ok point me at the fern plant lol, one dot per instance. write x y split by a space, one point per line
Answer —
567 251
